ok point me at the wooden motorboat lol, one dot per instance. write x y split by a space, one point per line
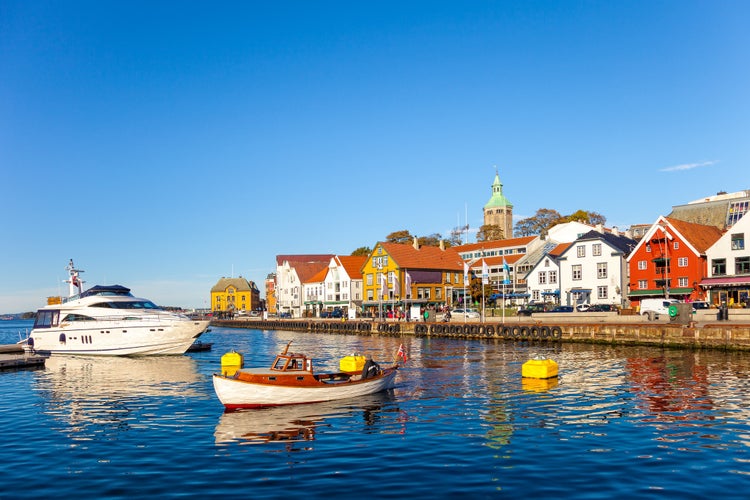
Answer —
291 379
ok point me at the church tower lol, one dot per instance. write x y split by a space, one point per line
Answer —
499 211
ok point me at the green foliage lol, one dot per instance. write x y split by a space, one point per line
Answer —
365 251
490 232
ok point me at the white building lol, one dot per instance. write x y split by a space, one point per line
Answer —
594 269
728 276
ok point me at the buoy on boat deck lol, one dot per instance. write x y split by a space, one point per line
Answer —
352 364
231 362
539 368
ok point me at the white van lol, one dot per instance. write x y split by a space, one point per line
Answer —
654 307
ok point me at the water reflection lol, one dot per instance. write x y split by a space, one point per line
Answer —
299 423
110 391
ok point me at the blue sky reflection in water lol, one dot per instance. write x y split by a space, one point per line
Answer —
619 422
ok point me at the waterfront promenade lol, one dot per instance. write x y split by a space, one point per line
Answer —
703 331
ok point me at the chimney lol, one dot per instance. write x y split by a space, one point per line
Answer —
415 244
615 231
442 245
599 228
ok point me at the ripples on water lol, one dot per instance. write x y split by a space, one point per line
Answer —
618 422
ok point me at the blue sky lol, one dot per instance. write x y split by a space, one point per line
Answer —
163 145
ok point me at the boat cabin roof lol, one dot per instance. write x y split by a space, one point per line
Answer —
107 290
291 362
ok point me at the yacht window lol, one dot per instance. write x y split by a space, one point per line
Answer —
135 304
77 317
102 304
46 319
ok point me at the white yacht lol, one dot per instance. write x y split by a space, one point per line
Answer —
109 320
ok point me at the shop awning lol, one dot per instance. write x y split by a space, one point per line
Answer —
660 292
554 292
726 281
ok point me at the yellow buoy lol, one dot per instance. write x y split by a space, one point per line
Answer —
230 363
352 364
539 368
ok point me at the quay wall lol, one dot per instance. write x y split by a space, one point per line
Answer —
725 335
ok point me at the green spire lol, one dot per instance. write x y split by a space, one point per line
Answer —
498 199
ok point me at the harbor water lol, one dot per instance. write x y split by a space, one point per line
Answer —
618 422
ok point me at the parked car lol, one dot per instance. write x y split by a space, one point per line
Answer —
285 315
562 309
255 314
531 309
583 307
465 313
602 308
700 304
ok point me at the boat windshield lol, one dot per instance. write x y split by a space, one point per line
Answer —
46 318
130 304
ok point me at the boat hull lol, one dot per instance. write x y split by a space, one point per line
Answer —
236 394
118 338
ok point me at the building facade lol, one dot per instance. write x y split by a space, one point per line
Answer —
670 260
230 296
728 278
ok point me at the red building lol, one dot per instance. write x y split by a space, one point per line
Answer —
670 260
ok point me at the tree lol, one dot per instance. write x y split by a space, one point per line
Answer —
402 236
490 232
539 223
590 218
457 235
432 240
362 251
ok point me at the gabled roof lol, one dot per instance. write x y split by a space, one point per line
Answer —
294 259
698 237
306 270
318 277
617 241
352 264
426 257
240 284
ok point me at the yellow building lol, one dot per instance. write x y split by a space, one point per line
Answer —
396 276
234 295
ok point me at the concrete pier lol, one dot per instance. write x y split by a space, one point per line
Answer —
703 332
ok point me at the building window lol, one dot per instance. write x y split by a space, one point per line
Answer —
719 267
682 282
738 241
742 265
648 247
601 292
438 293
553 277
369 280
369 294
581 251
682 262
577 274
676 245
642 265
542 278
535 295
596 249
601 270
642 284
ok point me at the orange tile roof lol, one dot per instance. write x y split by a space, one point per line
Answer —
427 257
352 264
698 235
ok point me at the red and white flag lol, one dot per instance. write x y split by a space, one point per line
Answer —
401 354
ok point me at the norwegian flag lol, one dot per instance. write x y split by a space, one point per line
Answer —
401 354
